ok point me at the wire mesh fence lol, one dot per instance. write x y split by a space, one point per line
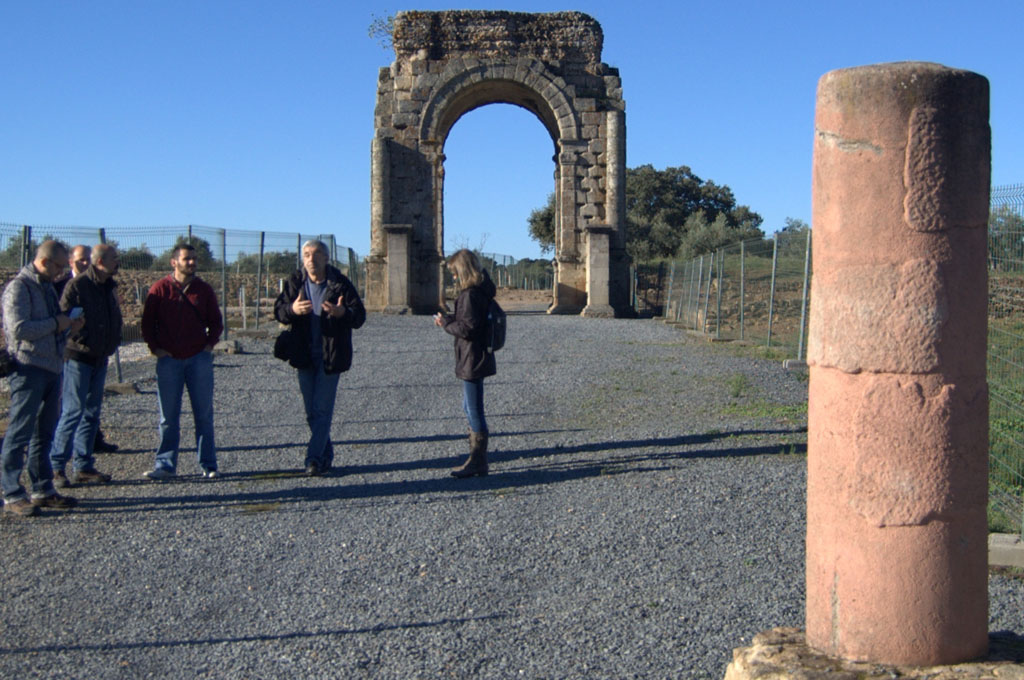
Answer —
758 291
244 267
509 272
755 291
1006 358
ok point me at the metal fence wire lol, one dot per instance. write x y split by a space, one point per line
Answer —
508 272
755 291
758 291
244 267
1006 358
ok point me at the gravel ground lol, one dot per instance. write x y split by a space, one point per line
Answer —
644 516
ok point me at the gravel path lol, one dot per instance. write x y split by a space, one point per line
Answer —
644 515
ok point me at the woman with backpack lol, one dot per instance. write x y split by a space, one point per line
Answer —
473 361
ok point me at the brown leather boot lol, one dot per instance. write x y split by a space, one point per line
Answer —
476 464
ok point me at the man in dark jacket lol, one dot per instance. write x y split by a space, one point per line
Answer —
94 294
81 255
322 307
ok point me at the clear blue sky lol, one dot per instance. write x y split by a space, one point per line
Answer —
259 115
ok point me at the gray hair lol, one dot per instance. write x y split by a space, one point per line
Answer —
319 245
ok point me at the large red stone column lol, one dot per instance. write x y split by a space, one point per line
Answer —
898 415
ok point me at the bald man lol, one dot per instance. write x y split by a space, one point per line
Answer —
79 261
34 326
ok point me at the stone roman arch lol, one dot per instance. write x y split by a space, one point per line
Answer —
449 63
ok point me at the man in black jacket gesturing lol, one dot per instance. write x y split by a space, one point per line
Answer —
322 307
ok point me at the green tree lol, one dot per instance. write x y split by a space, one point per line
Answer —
662 207
10 258
205 260
1005 239
273 261
542 225
792 238
138 257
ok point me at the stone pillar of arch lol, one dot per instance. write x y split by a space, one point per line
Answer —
449 63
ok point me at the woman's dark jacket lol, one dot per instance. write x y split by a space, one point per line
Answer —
337 333
469 324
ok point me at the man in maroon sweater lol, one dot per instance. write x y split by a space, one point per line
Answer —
181 323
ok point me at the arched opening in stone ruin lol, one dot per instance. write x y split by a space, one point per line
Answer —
498 167
450 63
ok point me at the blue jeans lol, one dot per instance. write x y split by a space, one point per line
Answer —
79 415
35 406
172 376
318 394
473 404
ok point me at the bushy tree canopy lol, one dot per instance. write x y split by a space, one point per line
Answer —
205 260
1005 238
281 262
669 213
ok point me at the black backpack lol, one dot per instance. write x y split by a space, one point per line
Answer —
497 324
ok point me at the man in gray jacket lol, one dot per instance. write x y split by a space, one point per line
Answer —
93 292
35 330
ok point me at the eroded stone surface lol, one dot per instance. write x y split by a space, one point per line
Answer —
782 654
898 416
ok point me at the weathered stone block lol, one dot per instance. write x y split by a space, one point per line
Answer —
402 120
586 104
442 60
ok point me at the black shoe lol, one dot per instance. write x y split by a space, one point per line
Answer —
312 470
87 477
60 480
54 500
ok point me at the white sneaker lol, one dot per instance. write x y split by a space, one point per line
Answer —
158 475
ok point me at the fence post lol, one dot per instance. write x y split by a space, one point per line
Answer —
241 302
671 282
803 302
743 280
771 294
353 268
657 286
707 294
189 234
696 298
259 277
718 311
298 251
26 239
632 286
224 278
103 235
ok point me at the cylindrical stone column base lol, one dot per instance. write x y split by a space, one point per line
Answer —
898 416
